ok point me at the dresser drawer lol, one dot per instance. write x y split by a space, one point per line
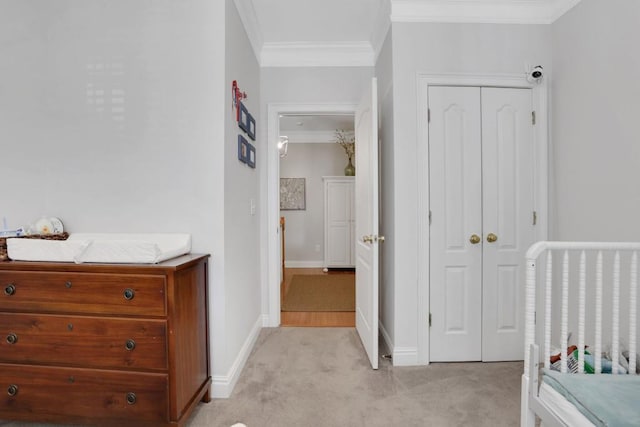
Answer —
94 342
53 394
95 293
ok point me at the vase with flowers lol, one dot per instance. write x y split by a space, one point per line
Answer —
348 142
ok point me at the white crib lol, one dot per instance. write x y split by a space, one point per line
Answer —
581 298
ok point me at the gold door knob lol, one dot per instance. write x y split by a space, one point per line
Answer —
380 238
474 239
491 237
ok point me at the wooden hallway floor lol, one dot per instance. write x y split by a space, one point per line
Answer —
313 318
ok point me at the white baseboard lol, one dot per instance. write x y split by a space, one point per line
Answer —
405 356
401 356
304 264
222 385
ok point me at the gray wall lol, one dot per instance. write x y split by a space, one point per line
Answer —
242 300
305 228
384 73
595 126
439 48
113 119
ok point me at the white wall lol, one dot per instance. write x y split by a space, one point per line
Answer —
107 115
595 130
113 118
437 49
305 228
384 73
242 309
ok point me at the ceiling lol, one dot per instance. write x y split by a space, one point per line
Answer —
316 123
307 128
351 32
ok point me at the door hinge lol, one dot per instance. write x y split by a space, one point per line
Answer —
428 115
535 217
429 217
429 319
533 117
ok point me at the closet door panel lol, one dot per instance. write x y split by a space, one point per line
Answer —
456 203
507 201
339 237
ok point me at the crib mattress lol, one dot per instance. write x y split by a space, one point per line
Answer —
605 400
147 248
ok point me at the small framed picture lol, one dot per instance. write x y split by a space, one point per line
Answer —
251 159
251 126
243 122
292 194
243 149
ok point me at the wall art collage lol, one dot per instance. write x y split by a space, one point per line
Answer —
246 122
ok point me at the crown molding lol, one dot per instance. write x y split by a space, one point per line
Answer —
249 20
563 6
480 11
303 54
381 27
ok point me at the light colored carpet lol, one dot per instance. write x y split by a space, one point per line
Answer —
320 377
321 292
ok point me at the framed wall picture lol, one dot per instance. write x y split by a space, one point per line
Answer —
251 126
243 121
292 194
251 155
243 149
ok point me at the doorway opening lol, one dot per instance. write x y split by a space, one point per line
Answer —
317 278
365 116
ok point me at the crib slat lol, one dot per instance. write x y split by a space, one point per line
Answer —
615 313
598 343
547 311
581 310
633 296
564 328
530 312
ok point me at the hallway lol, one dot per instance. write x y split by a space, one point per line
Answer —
313 318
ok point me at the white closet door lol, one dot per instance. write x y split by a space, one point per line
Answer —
456 205
339 213
507 199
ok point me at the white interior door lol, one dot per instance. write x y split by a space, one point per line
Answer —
366 205
339 223
507 212
481 198
456 216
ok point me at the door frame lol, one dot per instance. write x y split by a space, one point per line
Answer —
540 202
270 257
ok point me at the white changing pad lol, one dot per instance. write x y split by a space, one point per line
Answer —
148 248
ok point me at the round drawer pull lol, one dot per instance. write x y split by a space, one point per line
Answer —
12 390
131 398
12 338
130 345
129 294
10 289
68 284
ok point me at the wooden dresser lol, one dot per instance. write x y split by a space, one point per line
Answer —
104 344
